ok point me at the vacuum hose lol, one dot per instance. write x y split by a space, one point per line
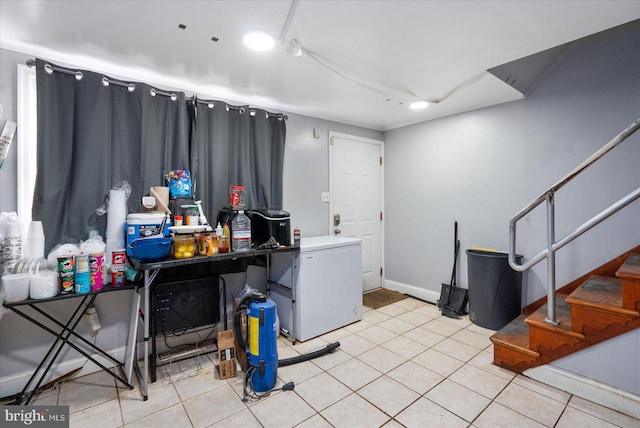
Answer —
311 355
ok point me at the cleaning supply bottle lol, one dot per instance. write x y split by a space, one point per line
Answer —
241 235
218 230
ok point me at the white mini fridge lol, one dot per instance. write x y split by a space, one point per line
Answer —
319 288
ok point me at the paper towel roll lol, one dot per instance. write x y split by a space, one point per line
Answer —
161 194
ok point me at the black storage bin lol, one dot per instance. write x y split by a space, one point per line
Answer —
495 289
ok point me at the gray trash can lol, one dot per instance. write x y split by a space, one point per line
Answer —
495 289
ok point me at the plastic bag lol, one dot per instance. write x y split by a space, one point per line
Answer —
179 182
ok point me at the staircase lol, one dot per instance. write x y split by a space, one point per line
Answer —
592 309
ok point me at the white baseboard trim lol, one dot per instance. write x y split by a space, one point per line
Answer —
14 383
412 290
605 395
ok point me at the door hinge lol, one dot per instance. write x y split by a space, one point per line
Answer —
380 215
380 271
380 160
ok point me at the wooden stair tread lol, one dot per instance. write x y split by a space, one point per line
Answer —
631 268
563 315
515 335
600 293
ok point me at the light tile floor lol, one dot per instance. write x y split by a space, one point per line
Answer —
403 365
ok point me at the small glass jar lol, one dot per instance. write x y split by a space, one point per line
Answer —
223 244
183 246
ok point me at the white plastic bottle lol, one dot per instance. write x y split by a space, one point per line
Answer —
241 232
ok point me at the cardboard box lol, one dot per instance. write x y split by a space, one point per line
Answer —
227 354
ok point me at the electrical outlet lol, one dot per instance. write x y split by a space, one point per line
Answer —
324 196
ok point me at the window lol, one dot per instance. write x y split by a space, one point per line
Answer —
27 149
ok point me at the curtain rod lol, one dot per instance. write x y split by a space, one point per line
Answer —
131 87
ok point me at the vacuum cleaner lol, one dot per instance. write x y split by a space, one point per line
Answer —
259 339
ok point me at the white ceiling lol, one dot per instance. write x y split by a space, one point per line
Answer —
365 61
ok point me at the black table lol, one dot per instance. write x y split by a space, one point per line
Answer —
65 336
151 270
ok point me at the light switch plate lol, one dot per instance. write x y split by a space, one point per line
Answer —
325 196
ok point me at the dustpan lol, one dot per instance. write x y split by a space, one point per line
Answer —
453 300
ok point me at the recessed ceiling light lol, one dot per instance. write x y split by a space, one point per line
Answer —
419 105
259 40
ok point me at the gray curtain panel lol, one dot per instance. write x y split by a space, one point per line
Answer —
237 146
91 138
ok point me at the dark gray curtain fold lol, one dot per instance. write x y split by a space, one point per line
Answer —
238 146
91 138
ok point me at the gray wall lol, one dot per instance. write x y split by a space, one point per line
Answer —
306 175
482 167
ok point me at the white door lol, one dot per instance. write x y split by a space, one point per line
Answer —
356 189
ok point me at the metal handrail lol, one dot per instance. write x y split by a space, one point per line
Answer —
552 246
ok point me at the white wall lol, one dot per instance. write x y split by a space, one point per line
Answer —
482 167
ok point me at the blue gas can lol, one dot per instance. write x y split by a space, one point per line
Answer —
262 348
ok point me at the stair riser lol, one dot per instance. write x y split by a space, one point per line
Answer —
631 294
595 319
540 338
511 359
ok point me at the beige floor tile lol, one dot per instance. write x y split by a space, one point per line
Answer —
298 372
242 419
358 326
315 421
172 417
282 410
397 325
462 321
472 338
322 391
381 359
392 310
104 415
479 381
438 362
355 345
416 377
354 411
605 413
335 335
543 409
498 416
375 317
410 303
428 309
160 397
457 399
354 373
377 335
425 413
572 417
206 380
484 361
438 325
87 391
456 349
415 317
310 345
541 388
480 330
393 424
388 395
332 359
405 347
424 336
213 406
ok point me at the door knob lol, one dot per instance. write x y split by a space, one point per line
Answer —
337 231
